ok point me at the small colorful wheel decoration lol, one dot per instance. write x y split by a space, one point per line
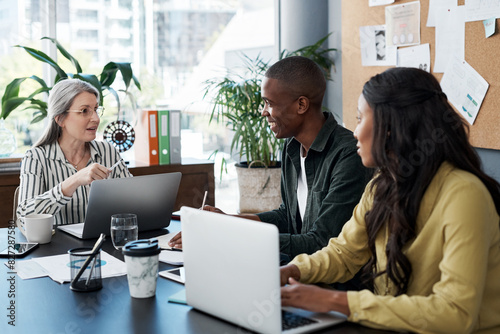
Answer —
121 134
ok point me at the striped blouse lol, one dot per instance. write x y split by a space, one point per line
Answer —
44 168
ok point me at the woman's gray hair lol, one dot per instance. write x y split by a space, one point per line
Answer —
61 98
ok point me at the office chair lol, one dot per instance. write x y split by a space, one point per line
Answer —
14 206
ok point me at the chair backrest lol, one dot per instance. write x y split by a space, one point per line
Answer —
14 205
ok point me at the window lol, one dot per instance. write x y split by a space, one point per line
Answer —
87 15
174 46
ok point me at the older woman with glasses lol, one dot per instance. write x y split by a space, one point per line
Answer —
57 172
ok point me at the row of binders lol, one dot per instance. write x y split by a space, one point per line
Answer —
163 130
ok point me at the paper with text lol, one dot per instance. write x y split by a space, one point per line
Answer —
403 24
479 10
450 36
415 56
58 267
465 88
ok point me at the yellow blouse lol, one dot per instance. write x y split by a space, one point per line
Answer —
455 256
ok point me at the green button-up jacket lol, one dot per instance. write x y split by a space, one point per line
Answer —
336 179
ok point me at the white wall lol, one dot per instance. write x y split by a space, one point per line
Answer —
304 22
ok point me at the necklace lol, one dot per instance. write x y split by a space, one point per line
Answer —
83 156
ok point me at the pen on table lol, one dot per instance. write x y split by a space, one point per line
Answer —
173 249
204 200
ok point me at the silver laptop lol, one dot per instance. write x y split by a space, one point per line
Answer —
150 197
232 272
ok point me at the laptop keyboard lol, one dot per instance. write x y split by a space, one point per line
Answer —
291 320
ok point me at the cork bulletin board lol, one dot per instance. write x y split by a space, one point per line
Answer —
483 54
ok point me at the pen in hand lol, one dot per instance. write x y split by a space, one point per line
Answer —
113 167
116 164
204 200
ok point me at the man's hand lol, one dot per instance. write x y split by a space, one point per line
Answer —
176 241
290 270
213 209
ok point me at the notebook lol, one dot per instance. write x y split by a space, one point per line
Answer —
232 272
150 197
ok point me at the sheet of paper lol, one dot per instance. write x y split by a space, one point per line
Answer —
479 10
172 257
373 3
450 36
58 266
374 51
415 56
465 88
489 27
403 24
433 4
27 269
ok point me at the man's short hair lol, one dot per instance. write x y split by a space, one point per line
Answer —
301 76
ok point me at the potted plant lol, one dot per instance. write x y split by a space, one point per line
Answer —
11 99
237 103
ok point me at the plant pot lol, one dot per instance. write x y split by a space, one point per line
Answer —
259 187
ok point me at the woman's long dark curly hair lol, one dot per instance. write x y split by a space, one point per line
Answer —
415 131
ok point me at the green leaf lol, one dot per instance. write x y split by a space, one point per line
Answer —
42 105
109 71
66 54
12 89
40 81
108 74
126 71
10 104
94 81
38 118
38 91
39 55
136 82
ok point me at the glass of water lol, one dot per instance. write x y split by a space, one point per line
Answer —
123 229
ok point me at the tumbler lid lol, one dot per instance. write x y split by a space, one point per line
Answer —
143 247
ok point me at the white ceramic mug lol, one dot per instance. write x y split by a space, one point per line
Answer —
37 227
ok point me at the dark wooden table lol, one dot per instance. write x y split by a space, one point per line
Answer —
44 306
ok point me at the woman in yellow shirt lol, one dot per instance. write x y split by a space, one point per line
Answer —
427 226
